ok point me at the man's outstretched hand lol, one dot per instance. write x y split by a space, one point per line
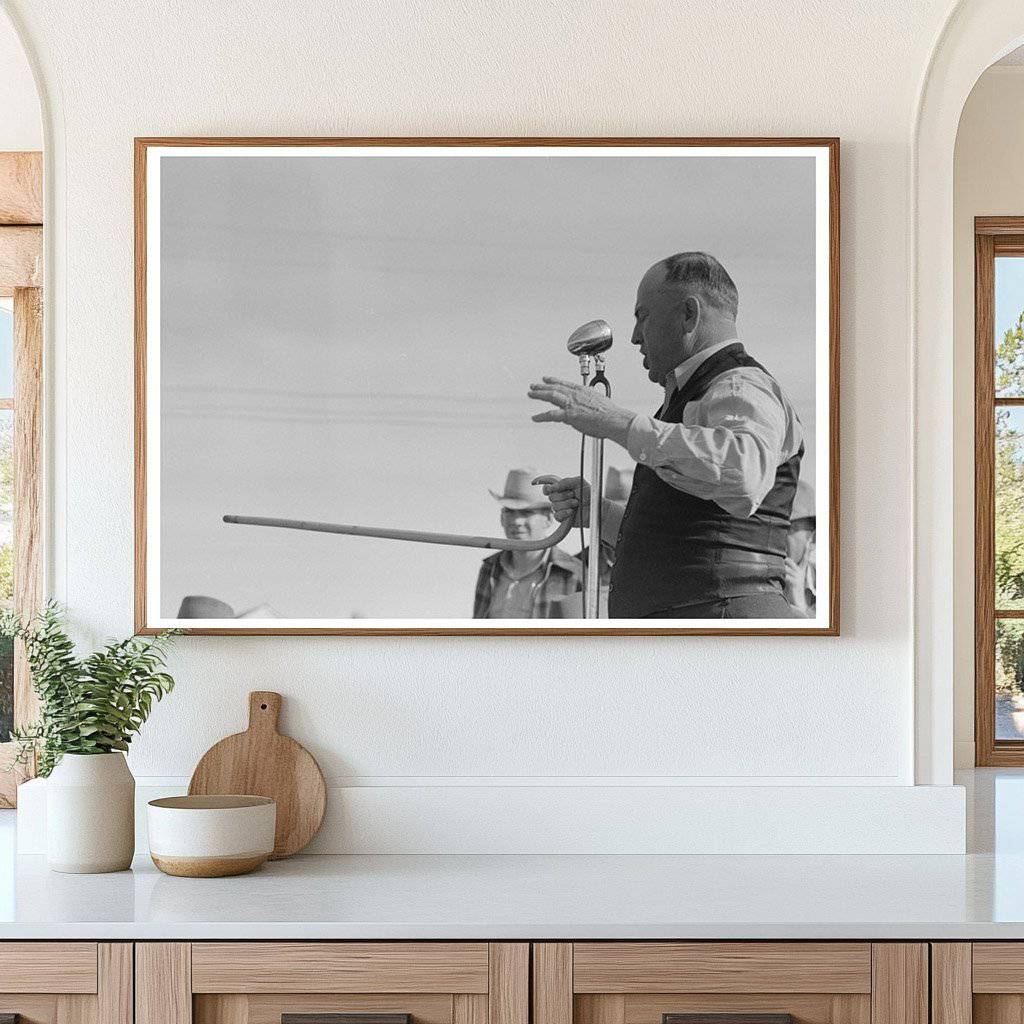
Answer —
584 409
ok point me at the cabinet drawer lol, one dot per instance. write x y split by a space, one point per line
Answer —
998 967
737 982
340 967
332 983
721 967
68 967
66 982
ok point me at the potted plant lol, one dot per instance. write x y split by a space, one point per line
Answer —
89 710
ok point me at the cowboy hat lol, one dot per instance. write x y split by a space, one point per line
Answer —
200 606
803 502
520 493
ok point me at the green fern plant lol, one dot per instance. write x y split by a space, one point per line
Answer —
91 705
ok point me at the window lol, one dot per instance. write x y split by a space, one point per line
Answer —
21 357
6 507
20 489
999 491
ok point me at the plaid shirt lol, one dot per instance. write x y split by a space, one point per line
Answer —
563 576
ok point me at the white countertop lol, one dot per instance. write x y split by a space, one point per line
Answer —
490 897
977 896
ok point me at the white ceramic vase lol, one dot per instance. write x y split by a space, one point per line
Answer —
90 814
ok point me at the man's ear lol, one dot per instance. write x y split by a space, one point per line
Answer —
691 313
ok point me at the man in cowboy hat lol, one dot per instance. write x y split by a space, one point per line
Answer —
524 584
704 533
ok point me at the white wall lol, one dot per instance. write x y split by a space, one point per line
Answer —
988 180
381 713
20 124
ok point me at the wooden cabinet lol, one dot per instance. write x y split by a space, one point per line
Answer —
677 982
980 982
496 983
332 983
66 982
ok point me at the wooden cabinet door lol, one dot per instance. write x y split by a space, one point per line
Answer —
332 983
730 983
979 982
66 982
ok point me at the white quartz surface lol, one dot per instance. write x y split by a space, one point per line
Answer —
979 895
489 897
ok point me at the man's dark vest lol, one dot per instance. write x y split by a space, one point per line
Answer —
675 549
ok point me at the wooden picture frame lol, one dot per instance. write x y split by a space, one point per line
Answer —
149 616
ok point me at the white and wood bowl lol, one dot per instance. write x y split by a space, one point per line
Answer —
210 836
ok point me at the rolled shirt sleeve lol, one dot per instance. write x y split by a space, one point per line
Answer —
729 445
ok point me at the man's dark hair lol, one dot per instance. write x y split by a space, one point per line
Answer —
704 271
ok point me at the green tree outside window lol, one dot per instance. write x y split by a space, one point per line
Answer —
1009 511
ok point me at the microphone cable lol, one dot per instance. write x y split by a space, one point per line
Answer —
579 512
598 378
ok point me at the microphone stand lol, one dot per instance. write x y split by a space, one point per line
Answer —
592 590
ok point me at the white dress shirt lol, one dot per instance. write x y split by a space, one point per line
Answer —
731 441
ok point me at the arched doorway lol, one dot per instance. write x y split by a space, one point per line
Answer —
976 34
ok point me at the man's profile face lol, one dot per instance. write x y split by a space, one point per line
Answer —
525 523
663 320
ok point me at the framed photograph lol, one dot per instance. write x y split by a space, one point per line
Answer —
487 386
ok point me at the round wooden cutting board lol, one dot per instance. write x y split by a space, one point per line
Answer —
262 762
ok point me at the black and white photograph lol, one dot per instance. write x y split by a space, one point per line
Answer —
449 386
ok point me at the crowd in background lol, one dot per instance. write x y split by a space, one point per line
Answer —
549 583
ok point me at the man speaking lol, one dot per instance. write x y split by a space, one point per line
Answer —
703 534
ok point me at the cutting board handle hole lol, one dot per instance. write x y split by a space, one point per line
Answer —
263 707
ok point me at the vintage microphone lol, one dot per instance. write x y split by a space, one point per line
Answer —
588 342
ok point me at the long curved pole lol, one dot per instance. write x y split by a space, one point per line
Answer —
419 536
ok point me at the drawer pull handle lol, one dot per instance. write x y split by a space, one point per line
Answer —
342 1018
727 1018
